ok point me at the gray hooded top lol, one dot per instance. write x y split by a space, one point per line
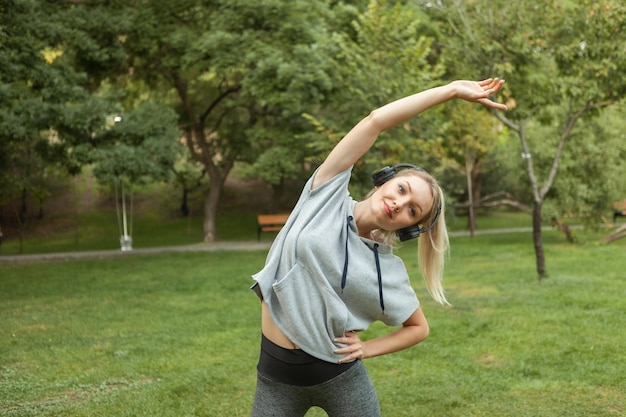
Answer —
321 279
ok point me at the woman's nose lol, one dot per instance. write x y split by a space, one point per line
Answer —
398 204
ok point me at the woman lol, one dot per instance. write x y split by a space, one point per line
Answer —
331 272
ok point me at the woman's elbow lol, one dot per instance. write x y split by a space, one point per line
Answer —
424 332
375 120
419 333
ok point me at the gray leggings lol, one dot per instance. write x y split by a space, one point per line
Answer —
350 394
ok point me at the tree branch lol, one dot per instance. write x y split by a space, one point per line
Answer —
506 121
217 100
567 131
485 202
618 234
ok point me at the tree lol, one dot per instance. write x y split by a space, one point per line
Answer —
41 93
592 196
471 133
56 110
238 74
136 149
562 62
384 58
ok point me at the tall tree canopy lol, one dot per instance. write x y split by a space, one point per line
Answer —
275 84
562 61
45 99
238 73
385 57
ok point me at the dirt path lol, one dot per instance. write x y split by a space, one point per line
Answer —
208 247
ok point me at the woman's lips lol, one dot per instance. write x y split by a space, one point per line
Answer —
387 209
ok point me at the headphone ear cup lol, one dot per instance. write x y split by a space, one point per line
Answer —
415 231
409 233
383 175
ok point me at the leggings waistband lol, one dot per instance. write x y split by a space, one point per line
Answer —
295 366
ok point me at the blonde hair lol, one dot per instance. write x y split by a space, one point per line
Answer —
433 245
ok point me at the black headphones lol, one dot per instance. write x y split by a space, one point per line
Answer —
385 174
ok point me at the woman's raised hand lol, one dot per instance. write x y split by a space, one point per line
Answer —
479 91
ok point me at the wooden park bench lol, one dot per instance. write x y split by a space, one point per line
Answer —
619 209
270 223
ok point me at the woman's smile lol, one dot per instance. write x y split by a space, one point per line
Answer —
387 209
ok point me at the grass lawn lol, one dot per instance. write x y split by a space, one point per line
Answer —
178 335
98 230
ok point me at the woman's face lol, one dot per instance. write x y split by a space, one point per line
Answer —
402 201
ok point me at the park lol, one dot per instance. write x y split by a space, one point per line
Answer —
176 333
151 151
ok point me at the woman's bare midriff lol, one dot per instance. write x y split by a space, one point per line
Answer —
271 331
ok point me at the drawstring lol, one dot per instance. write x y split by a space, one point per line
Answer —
380 278
344 276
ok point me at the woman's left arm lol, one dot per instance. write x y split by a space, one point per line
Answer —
413 331
362 136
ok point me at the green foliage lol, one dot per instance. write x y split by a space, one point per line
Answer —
90 37
141 147
274 164
554 53
560 61
237 73
472 134
386 58
598 151
45 102
240 75
587 49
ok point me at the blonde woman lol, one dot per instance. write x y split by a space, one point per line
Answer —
331 271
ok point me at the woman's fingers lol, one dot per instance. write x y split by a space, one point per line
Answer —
492 86
353 350
493 104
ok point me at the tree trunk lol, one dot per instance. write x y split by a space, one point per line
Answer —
210 211
537 240
471 218
23 209
40 216
477 185
184 206
20 229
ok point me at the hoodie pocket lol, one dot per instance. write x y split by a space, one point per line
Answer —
310 310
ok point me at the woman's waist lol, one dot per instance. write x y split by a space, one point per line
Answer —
271 331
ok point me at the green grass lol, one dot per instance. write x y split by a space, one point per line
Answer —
136 336
491 219
83 217
99 231
178 334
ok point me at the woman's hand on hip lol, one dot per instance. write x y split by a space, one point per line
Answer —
355 348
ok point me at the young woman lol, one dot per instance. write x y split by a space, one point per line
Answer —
331 272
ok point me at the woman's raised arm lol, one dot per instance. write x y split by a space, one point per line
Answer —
362 136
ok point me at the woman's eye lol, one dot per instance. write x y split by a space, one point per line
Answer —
412 211
401 189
